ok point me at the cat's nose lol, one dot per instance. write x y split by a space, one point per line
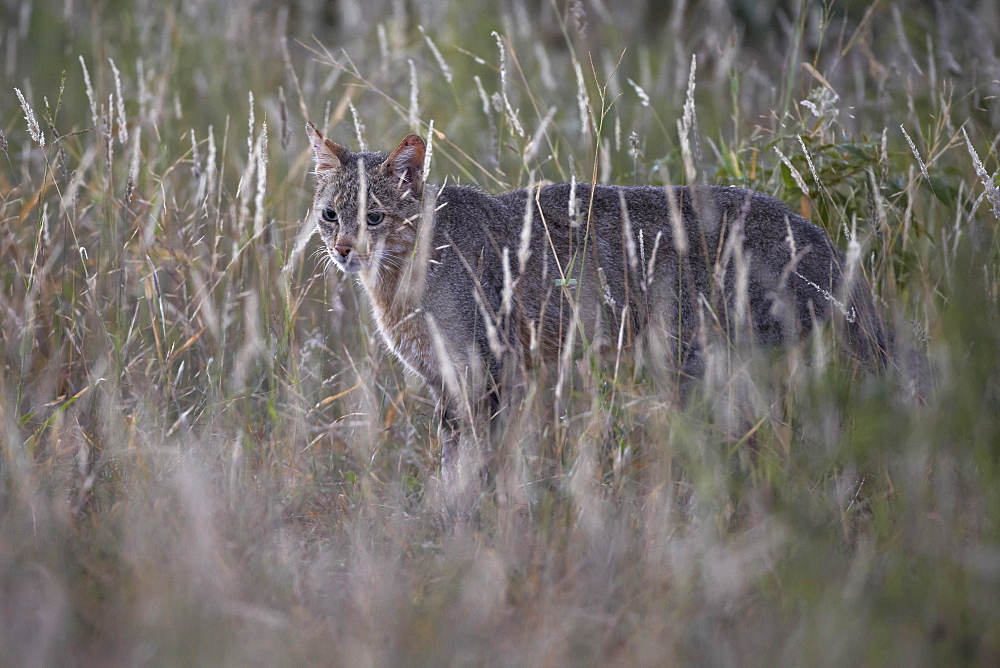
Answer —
343 249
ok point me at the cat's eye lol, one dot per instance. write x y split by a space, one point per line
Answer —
329 216
375 217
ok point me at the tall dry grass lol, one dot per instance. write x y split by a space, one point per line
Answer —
206 456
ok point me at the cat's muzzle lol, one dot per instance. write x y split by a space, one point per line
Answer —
346 258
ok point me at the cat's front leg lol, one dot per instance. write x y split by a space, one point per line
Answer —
449 434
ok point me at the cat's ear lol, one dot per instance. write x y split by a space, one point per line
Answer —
406 163
329 155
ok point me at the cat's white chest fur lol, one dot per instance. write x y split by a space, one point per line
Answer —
404 332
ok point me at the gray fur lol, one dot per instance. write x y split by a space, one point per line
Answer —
585 264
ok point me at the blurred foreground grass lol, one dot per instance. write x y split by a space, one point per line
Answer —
206 457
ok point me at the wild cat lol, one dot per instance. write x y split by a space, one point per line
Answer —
468 288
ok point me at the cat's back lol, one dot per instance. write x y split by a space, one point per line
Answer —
482 224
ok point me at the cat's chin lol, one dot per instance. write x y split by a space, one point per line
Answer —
351 265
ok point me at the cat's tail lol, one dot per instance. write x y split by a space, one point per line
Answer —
868 337
876 345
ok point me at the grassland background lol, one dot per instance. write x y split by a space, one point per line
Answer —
207 458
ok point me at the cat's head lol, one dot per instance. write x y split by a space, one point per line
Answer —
367 204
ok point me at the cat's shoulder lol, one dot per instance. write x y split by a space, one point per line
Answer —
465 199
